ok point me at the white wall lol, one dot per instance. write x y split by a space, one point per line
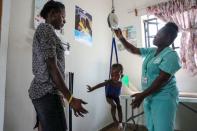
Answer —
132 64
90 65
3 57
19 110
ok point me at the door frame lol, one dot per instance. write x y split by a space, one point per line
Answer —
5 22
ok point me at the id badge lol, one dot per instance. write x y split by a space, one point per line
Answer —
144 80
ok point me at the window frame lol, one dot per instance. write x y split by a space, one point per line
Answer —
147 22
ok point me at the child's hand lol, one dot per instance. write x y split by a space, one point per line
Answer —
89 88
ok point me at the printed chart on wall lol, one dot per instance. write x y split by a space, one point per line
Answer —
38 7
83 26
130 35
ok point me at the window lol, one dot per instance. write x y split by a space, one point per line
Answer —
151 26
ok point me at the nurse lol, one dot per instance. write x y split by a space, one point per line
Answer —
160 93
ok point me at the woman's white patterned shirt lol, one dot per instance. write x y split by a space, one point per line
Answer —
46 44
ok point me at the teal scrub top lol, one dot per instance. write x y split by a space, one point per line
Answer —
167 60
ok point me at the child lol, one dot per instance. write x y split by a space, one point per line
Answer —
112 90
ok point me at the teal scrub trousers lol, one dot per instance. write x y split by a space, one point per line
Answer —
160 114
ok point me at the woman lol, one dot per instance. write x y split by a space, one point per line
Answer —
49 73
160 94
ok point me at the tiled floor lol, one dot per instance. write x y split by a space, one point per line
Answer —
128 128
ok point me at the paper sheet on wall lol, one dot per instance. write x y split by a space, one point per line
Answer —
130 35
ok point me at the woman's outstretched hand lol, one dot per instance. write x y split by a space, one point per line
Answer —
118 33
76 105
138 98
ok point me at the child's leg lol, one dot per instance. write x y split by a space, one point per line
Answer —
113 109
117 100
39 127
